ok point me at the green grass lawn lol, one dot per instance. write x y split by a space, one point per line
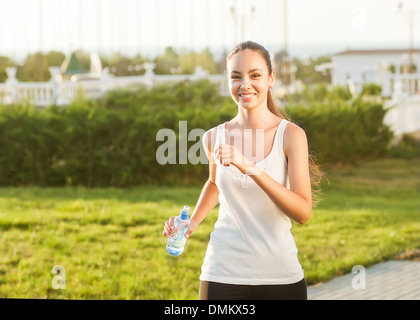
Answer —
110 240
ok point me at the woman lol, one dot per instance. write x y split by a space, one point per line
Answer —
251 253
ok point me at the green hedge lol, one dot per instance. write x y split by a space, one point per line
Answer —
106 142
343 132
111 141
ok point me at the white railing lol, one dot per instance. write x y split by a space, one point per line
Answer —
62 92
405 85
403 116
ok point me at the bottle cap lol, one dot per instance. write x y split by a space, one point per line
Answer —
185 213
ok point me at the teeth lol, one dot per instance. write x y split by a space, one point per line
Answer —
246 95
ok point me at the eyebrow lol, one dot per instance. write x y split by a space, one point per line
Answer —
250 71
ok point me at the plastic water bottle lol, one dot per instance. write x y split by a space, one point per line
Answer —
176 243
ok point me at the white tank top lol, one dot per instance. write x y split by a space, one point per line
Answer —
251 242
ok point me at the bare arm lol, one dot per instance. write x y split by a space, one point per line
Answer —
296 203
209 196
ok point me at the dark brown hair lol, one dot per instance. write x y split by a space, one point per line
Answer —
314 168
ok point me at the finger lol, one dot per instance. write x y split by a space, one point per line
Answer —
166 230
225 162
171 223
169 227
223 148
224 154
220 157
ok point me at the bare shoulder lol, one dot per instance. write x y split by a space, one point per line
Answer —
293 131
209 139
209 142
294 138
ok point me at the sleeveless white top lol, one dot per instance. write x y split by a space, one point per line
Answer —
251 242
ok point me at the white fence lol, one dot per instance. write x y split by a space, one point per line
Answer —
62 92
404 116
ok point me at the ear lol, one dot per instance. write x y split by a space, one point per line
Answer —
272 78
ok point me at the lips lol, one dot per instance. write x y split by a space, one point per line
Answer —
246 95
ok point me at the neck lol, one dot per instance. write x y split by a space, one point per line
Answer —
255 118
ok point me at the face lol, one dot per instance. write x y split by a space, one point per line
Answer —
249 79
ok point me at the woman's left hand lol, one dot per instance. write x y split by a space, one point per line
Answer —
228 154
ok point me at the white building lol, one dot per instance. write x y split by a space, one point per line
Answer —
387 68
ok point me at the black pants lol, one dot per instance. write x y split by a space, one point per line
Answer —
223 291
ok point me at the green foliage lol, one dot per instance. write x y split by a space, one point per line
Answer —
112 141
320 93
344 132
121 65
167 62
28 139
190 60
306 70
35 67
106 142
110 240
185 62
407 147
4 63
371 89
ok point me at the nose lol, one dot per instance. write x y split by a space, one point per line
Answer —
246 84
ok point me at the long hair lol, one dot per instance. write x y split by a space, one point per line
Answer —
314 169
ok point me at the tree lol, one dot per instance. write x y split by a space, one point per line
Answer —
55 58
4 63
204 59
306 70
35 68
125 66
168 62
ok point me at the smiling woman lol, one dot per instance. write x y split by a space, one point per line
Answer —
252 253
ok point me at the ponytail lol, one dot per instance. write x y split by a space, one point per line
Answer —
315 171
270 104
281 113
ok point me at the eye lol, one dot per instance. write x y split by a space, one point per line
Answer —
235 77
255 76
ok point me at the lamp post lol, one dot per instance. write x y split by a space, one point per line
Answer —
239 18
410 13
286 70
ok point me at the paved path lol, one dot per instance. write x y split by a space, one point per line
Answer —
391 280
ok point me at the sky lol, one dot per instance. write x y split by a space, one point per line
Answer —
314 27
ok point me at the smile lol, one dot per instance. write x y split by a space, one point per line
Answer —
248 95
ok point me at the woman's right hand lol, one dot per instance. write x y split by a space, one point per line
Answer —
169 228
